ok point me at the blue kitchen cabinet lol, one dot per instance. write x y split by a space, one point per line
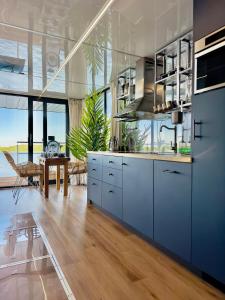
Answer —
94 191
138 194
112 199
208 198
172 207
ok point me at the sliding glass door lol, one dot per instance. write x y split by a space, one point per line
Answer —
25 126
13 135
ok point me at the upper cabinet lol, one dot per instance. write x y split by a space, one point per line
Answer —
208 17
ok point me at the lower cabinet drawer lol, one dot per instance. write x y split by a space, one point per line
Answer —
112 176
112 199
95 171
94 191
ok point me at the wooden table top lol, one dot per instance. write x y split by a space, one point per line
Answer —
53 160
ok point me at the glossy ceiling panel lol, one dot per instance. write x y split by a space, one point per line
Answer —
128 30
140 27
62 18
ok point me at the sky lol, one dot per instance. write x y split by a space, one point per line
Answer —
14 126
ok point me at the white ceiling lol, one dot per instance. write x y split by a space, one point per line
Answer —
135 27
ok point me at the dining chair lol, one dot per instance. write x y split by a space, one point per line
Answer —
24 171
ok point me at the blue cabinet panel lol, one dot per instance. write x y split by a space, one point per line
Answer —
94 191
112 199
138 194
95 159
111 161
112 176
95 171
172 207
208 199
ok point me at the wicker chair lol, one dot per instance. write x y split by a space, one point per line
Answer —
76 169
24 170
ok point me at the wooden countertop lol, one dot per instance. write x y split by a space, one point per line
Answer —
166 157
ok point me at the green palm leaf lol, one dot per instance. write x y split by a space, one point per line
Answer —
93 135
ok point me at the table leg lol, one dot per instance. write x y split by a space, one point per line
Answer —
58 178
41 179
46 180
65 181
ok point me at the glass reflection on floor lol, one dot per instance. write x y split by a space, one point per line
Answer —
26 268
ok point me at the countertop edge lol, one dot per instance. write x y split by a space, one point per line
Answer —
172 158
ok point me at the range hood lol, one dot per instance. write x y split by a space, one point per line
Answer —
142 106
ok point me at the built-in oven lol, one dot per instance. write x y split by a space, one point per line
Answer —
210 62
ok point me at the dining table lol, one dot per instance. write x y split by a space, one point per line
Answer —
47 162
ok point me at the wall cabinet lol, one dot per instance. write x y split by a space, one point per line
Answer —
138 194
172 207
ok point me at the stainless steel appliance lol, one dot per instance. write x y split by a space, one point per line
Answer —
210 62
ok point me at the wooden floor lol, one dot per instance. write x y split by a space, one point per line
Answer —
102 260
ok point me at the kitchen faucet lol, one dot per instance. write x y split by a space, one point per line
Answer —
173 147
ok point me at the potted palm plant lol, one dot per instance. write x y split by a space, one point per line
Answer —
93 135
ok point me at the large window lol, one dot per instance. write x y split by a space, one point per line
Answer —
25 124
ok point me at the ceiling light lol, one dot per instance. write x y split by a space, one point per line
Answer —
83 37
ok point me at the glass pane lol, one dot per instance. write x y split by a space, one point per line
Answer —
108 104
14 131
56 123
37 130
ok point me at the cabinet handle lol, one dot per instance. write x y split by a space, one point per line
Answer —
110 174
93 158
194 129
124 164
110 161
171 172
93 169
93 183
110 191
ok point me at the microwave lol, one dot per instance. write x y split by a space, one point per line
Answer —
209 59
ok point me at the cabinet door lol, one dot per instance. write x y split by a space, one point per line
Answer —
112 199
172 207
138 194
95 171
208 17
94 191
208 199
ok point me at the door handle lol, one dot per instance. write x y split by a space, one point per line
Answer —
93 169
110 161
194 129
110 174
124 164
110 191
93 183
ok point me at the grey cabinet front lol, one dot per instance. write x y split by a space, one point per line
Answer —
138 194
94 191
208 198
172 207
112 199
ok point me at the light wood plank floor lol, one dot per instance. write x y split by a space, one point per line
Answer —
100 258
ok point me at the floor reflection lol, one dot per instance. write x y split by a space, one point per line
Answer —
25 271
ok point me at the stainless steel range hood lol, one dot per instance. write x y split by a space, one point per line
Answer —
142 106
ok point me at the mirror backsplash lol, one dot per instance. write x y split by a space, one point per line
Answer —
145 136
